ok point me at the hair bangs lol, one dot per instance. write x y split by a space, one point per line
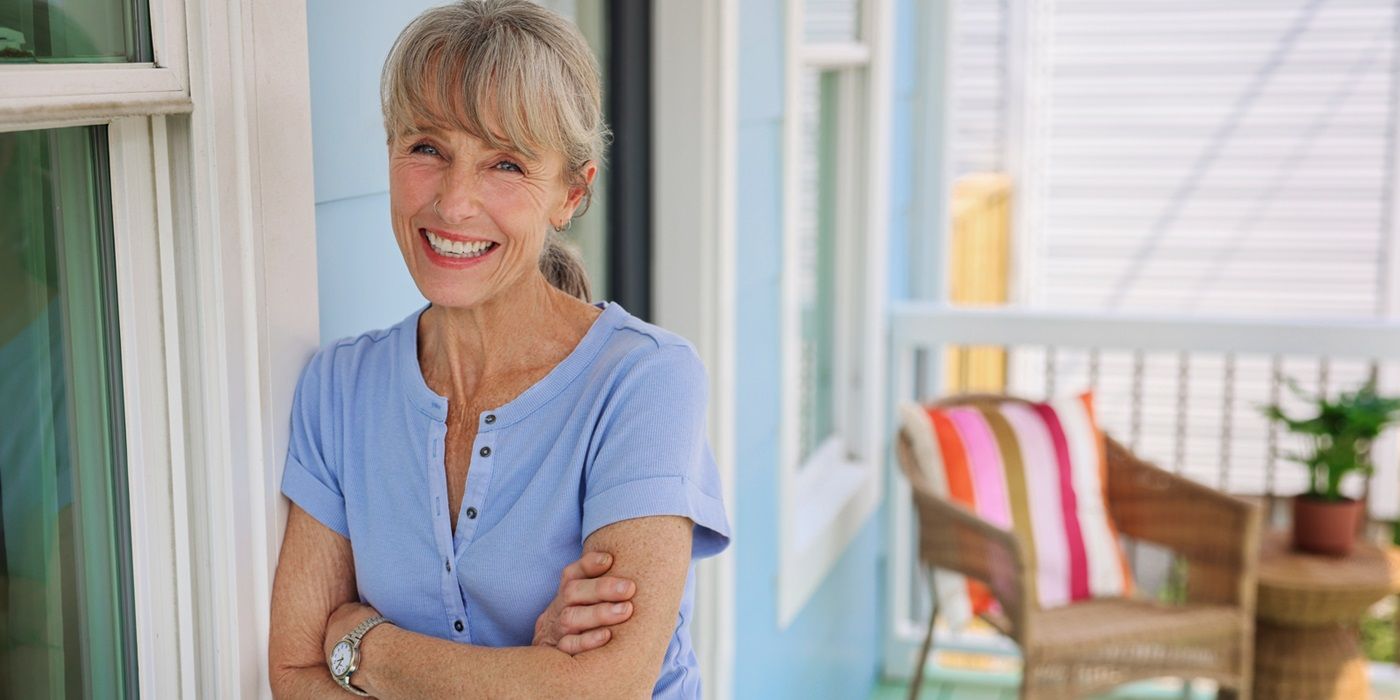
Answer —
494 81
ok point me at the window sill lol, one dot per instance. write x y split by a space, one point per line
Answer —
833 498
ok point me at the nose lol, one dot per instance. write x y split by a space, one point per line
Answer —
458 198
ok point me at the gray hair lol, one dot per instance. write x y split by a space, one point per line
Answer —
513 74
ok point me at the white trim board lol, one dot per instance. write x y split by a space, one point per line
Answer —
694 166
249 285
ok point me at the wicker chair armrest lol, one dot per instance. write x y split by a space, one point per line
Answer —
1216 533
954 538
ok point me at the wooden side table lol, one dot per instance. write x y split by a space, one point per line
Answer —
1307 645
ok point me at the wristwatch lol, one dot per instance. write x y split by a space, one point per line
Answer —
345 655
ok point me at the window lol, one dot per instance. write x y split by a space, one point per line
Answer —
65 565
40 31
146 370
816 259
833 261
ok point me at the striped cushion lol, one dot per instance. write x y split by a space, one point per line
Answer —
1038 470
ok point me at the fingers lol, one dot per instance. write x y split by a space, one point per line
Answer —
578 643
606 589
582 618
590 565
595 564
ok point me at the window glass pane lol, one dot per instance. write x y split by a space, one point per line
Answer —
831 20
65 565
75 31
816 258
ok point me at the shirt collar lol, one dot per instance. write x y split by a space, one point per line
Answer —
434 405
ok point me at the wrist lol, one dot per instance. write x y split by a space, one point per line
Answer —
346 656
374 650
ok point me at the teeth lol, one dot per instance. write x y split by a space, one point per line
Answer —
458 249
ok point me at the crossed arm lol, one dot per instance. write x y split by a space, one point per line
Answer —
313 599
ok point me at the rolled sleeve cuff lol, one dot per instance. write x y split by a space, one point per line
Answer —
314 497
661 495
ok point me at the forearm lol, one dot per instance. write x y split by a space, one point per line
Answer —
397 663
310 682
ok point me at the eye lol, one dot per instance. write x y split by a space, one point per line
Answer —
424 148
510 166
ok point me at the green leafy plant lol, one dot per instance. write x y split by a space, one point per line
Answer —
1340 433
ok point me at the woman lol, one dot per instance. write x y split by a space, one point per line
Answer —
448 470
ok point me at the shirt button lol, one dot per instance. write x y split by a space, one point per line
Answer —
471 514
485 452
490 418
457 625
448 562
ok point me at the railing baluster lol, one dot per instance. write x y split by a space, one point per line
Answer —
1049 372
1094 369
1271 463
1183 378
1324 375
1227 422
920 366
1135 433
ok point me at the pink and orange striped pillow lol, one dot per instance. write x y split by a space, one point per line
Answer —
1038 470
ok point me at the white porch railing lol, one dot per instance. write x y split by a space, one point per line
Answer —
1183 392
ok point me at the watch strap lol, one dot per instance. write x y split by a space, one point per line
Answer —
363 628
354 637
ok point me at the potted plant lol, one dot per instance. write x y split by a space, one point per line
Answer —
1340 436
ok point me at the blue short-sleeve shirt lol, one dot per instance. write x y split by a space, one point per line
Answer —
615 431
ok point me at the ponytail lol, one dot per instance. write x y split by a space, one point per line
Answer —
563 267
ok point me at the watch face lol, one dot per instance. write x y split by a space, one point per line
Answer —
340 659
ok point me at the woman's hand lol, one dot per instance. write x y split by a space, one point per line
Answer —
343 620
588 602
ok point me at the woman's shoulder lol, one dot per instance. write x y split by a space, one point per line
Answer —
642 352
351 359
639 339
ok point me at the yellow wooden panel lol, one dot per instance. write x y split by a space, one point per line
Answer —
979 266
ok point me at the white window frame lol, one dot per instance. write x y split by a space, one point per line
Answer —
214 230
62 94
827 499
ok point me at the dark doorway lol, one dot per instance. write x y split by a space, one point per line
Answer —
629 163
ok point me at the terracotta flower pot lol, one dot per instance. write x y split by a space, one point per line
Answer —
1325 527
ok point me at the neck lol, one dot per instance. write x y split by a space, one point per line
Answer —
520 330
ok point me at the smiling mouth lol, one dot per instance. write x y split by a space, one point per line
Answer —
463 250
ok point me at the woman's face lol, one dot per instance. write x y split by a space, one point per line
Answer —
493 212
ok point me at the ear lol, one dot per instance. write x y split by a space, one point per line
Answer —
576 192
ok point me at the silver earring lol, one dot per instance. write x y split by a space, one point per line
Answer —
567 225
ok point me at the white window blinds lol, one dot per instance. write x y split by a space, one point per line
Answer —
1224 157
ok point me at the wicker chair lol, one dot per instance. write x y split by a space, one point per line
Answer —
1091 646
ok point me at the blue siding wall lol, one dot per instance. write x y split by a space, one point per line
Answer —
904 144
362 281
